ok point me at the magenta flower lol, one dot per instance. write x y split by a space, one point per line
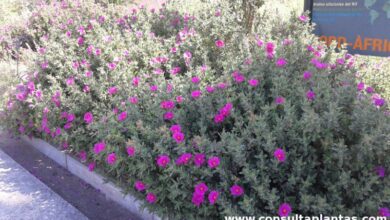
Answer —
385 212
136 81
196 94
113 90
130 151
88 117
168 104
187 55
133 100
379 102
175 70
213 162
153 88
179 99
369 89
175 128
381 171
139 186
80 41
213 197
122 116
201 188
219 118
281 62
151 198
270 47
280 155
178 137
163 160
307 75
199 159
91 167
280 100
219 43
195 80
225 110
111 158
184 159
168 115
111 66
236 190
253 82
197 199
360 86
99 147
210 89
303 18
310 95
284 210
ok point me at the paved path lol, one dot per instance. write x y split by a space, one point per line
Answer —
22 196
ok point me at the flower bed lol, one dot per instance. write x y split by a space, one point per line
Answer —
201 119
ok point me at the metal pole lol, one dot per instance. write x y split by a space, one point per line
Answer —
309 7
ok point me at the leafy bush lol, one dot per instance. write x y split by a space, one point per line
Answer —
201 117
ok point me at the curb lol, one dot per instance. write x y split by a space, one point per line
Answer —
97 181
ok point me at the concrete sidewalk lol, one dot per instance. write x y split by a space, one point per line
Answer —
22 196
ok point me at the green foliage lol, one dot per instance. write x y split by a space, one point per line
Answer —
333 141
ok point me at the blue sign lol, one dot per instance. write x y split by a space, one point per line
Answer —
363 25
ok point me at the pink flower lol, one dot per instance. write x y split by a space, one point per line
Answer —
307 75
360 86
281 62
210 89
184 159
163 160
130 151
80 41
310 95
111 66
303 18
199 159
187 55
270 47
91 166
284 210
195 80
99 147
178 137
381 171
213 197
153 88
219 43
70 117
168 115
369 89
98 52
113 90
385 212
136 81
168 104
133 100
88 73
179 99
196 94
151 198
236 190
139 186
280 155
175 70
111 158
219 118
253 82
122 116
88 117
201 188
213 162
280 100
197 199
175 128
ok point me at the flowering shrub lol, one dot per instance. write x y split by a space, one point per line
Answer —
201 120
